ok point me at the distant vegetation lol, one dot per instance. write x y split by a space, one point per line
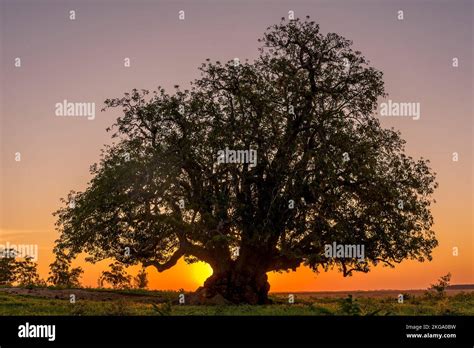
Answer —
23 272
22 292
160 303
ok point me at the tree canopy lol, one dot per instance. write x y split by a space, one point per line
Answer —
326 171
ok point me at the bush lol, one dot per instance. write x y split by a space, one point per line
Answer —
349 306
438 290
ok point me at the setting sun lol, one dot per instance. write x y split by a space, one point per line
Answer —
200 272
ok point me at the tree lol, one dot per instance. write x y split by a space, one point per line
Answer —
8 266
141 279
326 171
27 273
116 277
17 271
438 290
61 273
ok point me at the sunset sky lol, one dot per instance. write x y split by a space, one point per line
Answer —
82 60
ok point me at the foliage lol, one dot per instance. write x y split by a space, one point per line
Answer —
438 290
326 170
141 279
118 308
163 309
61 273
349 306
18 271
27 273
8 267
460 304
117 277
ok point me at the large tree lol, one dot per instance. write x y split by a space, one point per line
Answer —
326 171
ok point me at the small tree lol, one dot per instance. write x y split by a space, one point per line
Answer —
8 266
27 273
438 290
61 273
141 279
117 277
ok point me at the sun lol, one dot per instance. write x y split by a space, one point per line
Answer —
200 272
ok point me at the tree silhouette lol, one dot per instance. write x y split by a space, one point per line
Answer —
21 271
326 171
62 274
8 266
438 290
27 273
117 277
141 279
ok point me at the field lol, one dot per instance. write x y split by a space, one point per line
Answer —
52 301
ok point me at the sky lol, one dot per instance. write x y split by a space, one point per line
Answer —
82 60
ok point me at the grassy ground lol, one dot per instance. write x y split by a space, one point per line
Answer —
133 302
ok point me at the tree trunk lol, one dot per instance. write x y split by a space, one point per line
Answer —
234 287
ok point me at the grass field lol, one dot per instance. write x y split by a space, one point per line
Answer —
48 301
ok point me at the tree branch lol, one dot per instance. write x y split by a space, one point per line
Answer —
168 264
284 262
